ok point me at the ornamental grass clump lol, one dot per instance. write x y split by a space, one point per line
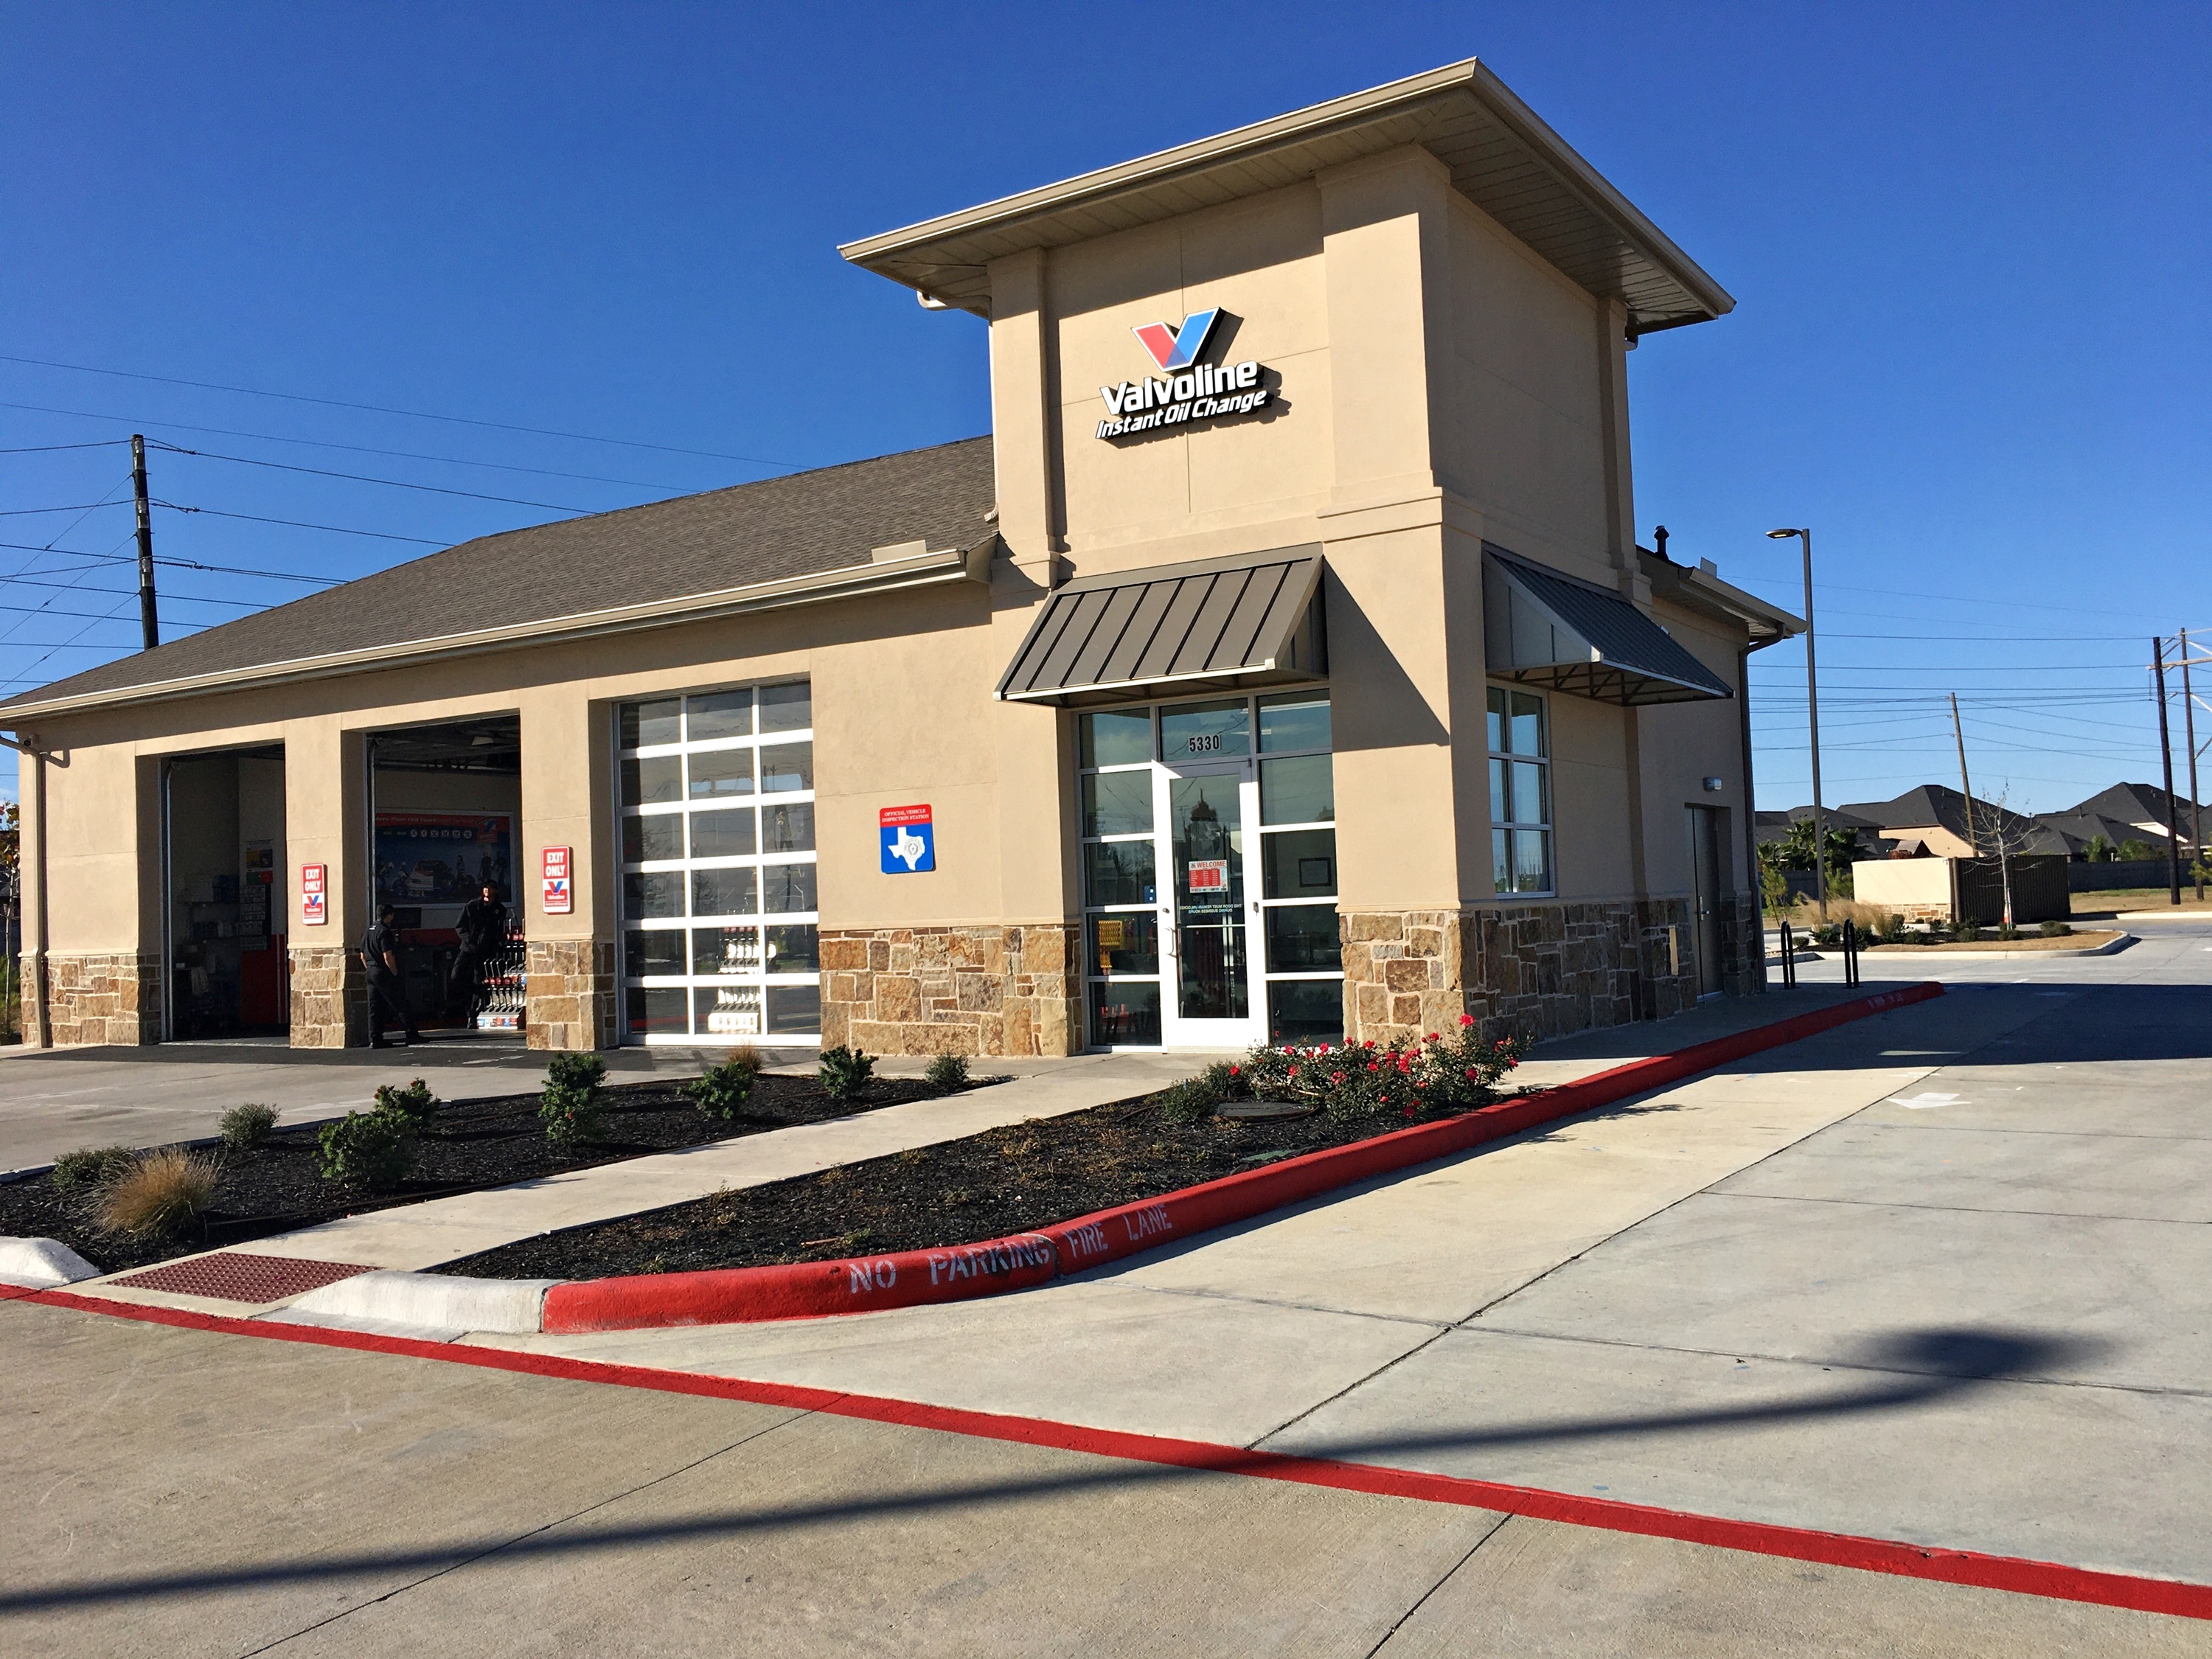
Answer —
374 1150
1350 1081
724 1090
415 1104
244 1127
844 1072
160 1195
573 1108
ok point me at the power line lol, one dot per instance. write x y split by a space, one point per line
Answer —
296 524
358 449
47 449
181 598
359 477
26 512
1960 598
185 564
411 414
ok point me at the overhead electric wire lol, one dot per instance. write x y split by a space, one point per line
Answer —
359 477
168 595
411 414
296 524
47 449
150 423
27 512
187 564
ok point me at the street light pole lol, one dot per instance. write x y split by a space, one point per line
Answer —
1812 721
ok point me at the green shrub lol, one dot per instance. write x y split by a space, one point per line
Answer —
2007 930
1966 932
415 1102
723 1091
367 1149
161 1194
244 1127
1891 929
947 1073
572 1108
91 1166
1197 1096
844 1072
2056 930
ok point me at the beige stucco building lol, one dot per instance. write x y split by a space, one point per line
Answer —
1283 663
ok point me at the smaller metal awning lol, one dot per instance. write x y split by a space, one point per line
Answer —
1226 623
1551 630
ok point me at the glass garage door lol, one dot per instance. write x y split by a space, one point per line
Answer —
717 890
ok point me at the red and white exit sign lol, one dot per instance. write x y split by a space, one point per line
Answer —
314 900
557 891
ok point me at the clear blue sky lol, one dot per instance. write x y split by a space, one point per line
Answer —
1969 246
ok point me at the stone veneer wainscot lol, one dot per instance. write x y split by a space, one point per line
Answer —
85 999
1533 970
568 994
981 990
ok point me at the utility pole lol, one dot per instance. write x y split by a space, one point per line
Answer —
149 625
2189 736
1812 721
1965 787
2166 759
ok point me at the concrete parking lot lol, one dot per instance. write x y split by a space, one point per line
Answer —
1939 1276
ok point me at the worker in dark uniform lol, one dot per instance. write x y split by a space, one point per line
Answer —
482 930
388 991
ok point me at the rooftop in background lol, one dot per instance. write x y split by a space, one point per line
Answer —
1501 158
660 562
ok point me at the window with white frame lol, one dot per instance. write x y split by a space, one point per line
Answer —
1520 793
718 900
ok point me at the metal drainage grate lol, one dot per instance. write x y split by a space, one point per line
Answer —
235 1276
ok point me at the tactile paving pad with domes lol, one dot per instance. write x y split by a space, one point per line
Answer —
235 1276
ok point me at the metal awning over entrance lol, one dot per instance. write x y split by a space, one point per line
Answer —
1547 629
1227 623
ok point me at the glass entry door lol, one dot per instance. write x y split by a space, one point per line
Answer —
1209 907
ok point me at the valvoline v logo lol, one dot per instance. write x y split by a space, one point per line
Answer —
1177 348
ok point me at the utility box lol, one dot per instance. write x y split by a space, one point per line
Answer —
1964 889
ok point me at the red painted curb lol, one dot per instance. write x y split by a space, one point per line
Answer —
2019 1575
731 1296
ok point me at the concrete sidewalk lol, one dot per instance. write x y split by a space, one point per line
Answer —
1710 1299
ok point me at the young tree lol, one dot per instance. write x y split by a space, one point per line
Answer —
2098 849
2005 840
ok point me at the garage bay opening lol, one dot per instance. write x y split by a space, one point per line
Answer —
224 976
445 806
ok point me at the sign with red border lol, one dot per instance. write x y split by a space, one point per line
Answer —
314 903
907 840
556 893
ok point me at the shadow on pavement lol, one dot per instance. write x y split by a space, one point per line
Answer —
1907 1369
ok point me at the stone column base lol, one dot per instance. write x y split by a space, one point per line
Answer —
953 990
1527 970
329 998
568 994
112 998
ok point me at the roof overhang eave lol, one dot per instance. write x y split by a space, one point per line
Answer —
928 256
927 569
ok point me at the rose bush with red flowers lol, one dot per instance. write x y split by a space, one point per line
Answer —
1349 1080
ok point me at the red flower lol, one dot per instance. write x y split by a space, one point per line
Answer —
1432 1037
1466 1019
1235 1070
1409 1115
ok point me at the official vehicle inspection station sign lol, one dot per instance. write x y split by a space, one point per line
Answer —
908 840
1185 389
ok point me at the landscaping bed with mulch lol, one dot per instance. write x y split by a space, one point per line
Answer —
1989 942
987 1186
276 1188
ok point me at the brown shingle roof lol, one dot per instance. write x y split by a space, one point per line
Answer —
795 525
